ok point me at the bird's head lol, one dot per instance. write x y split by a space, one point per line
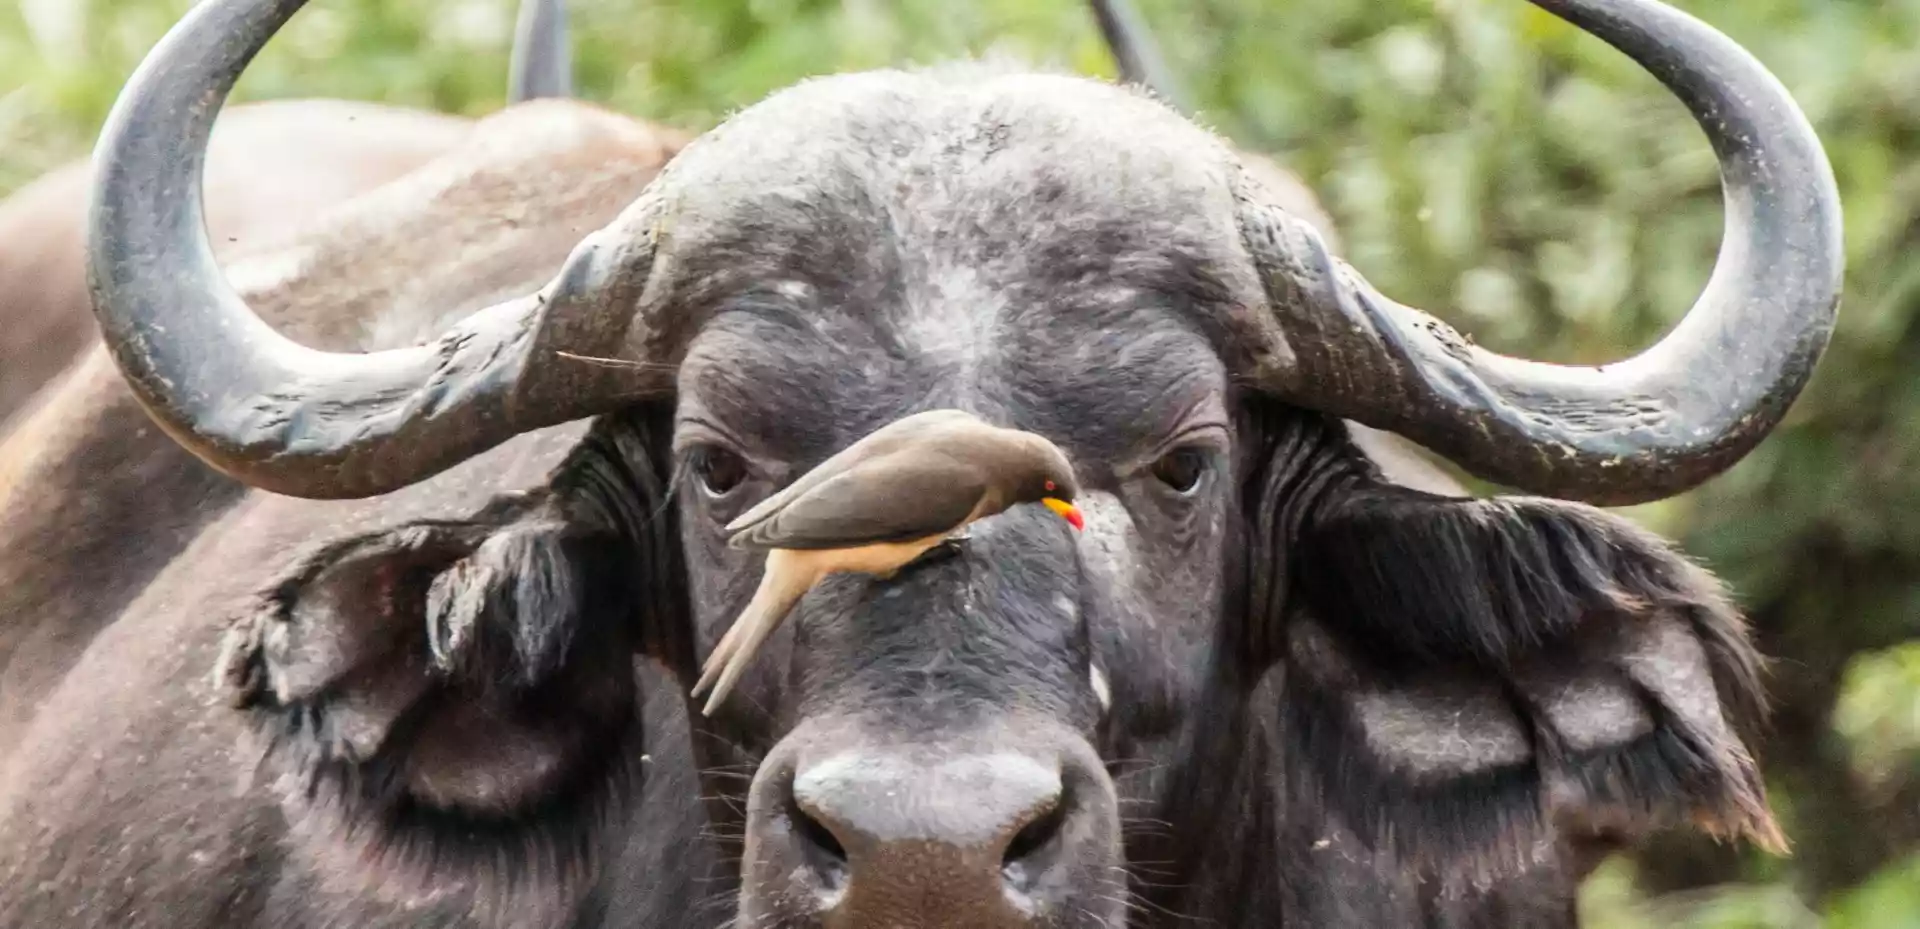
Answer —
1052 483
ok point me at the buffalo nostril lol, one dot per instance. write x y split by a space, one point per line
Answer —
819 848
1019 863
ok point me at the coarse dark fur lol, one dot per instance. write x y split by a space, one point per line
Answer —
1334 702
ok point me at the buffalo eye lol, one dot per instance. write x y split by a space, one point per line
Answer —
719 470
1181 469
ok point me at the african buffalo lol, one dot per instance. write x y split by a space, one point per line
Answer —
1266 687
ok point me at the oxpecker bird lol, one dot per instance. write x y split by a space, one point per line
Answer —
878 505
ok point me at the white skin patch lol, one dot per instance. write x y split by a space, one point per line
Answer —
1101 691
794 290
958 341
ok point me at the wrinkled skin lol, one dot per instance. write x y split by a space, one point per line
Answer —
1291 613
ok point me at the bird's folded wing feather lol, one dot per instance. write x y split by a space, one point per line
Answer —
764 510
890 498
914 430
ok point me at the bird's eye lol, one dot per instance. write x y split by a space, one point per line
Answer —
720 471
1181 469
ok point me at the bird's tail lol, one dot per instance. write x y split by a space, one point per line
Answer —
782 585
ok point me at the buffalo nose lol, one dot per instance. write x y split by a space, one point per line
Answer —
885 831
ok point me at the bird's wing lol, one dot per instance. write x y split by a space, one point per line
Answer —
890 498
889 438
764 510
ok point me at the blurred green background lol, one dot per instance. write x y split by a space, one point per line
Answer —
1482 160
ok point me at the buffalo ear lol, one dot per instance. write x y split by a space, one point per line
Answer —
1467 680
447 694
509 611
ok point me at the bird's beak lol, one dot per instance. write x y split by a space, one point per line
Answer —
1067 511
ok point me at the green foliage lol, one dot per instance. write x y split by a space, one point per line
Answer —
1485 161
1879 715
1890 900
1609 902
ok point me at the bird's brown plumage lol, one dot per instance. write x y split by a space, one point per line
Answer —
873 508
902 433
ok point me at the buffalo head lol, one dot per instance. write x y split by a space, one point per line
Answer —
968 743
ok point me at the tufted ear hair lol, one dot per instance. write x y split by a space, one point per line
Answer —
457 698
1465 680
506 614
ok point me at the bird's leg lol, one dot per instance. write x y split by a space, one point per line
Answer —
940 551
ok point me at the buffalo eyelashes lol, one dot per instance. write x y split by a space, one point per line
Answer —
719 470
1182 469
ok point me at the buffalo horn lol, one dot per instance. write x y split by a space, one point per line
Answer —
542 62
291 419
1636 430
1135 52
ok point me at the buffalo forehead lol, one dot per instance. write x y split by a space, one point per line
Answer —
1023 179
958 236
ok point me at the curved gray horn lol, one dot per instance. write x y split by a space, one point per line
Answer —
1640 429
291 419
1136 53
542 62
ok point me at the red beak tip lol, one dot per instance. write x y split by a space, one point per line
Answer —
1075 520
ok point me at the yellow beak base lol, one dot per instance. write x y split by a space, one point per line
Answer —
1067 511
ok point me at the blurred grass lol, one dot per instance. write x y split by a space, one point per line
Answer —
1484 160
